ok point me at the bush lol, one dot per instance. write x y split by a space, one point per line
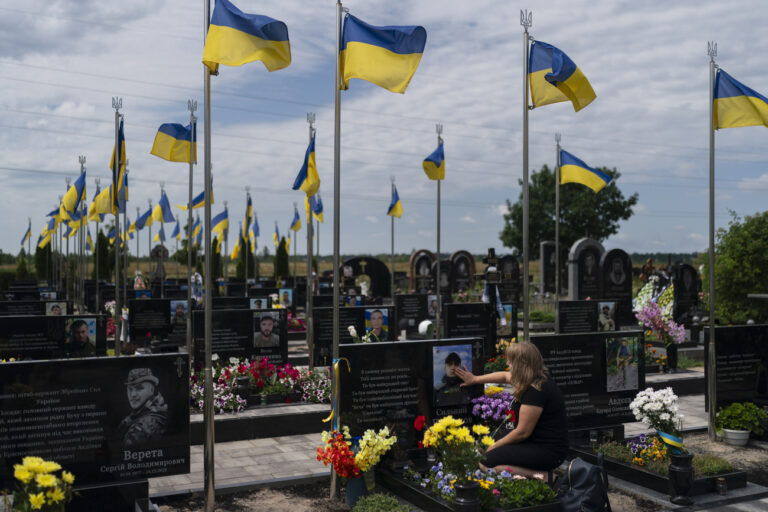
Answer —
742 416
703 464
379 503
711 465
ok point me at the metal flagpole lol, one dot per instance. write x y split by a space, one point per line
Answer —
557 233
439 129
246 239
29 245
161 236
711 366
336 215
526 20
124 243
295 236
66 264
209 488
137 241
149 245
392 246
117 104
56 263
317 233
177 249
83 224
96 248
225 234
191 106
308 306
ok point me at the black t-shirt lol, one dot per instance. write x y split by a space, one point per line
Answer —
552 428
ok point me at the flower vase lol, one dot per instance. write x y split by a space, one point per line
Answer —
681 478
672 357
467 496
354 490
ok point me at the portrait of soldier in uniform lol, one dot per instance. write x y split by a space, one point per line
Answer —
266 335
149 412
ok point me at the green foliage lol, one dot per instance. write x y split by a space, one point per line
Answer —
245 253
711 465
538 316
703 464
216 267
582 212
740 269
281 260
742 416
379 503
22 272
42 262
524 493
106 264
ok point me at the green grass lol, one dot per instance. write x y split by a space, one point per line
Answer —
703 465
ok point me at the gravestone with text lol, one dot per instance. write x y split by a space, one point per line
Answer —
584 269
410 311
471 320
616 279
446 276
686 293
53 336
369 273
241 333
361 318
421 271
463 264
510 285
741 364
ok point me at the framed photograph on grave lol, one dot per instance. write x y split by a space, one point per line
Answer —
143 294
260 303
178 312
47 295
286 297
55 308
606 317
377 323
621 355
353 300
266 327
80 336
433 306
447 385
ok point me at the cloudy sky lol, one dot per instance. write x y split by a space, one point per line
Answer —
61 62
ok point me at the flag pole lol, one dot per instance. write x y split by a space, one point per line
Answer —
161 237
225 234
177 249
557 233
138 267
526 20
246 239
336 219
83 224
117 104
149 244
96 248
308 306
439 130
295 209
711 366
66 264
124 242
392 246
191 106
29 245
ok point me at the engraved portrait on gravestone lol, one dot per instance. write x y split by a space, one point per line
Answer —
148 418
589 264
617 275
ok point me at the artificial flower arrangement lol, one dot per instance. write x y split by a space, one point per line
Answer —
352 458
295 323
368 337
457 447
493 409
498 363
654 311
39 487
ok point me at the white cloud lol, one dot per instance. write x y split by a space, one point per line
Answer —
371 219
468 219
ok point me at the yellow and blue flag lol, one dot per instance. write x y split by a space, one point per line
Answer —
296 222
737 105
276 236
101 205
248 212
236 248
573 170
27 235
308 180
220 223
162 211
197 232
118 175
71 200
144 220
554 77
160 235
173 142
395 207
89 242
176 231
236 38
253 232
317 207
386 56
198 201
434 164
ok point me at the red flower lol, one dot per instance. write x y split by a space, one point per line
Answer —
418 423
420 445
511 416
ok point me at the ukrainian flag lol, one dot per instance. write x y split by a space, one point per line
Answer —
111 236
386 56
199 238
118 175
434 164
276 236
296 222
395 207
160 235
196 231
220 223
71 200
255 227
317 207
573 170
89 242
236 248
173 140
162 211
308 180
248 212
252 234
236 38
26 235
554 77
737 105
102 204
198 201
176 231
144 220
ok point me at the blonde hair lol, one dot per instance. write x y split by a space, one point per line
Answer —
526 367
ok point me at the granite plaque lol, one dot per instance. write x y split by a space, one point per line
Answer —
576 316
509 288
410 311
471 320
741 364
52 337
243 333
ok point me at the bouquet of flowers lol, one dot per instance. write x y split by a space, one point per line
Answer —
39 487
658 410
667 330
493 409
352 463
365 338
459 449
314 385
645 449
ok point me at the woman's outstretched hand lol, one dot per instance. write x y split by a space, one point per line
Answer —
465 375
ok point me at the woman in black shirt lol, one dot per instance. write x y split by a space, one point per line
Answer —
539 438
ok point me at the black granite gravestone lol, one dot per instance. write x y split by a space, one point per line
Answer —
243 333
741 365
599 374
410 311
149 319
52 337
547 266
361 318
686 293
35 307
616 279
471 320
104 419
509 288
576 316
584 269
463 264
446 276
421 271
369 273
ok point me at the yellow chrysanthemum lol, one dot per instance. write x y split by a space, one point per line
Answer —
33 464
45 480
68 477
22 474
493 390
37 500
55 495
487 441
49 466
480 430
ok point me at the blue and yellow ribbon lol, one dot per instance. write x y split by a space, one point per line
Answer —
333 416
675 443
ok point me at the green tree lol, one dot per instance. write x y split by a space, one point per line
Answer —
740 269
245 253
22 272
582 212
281 260
43 262
106 263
